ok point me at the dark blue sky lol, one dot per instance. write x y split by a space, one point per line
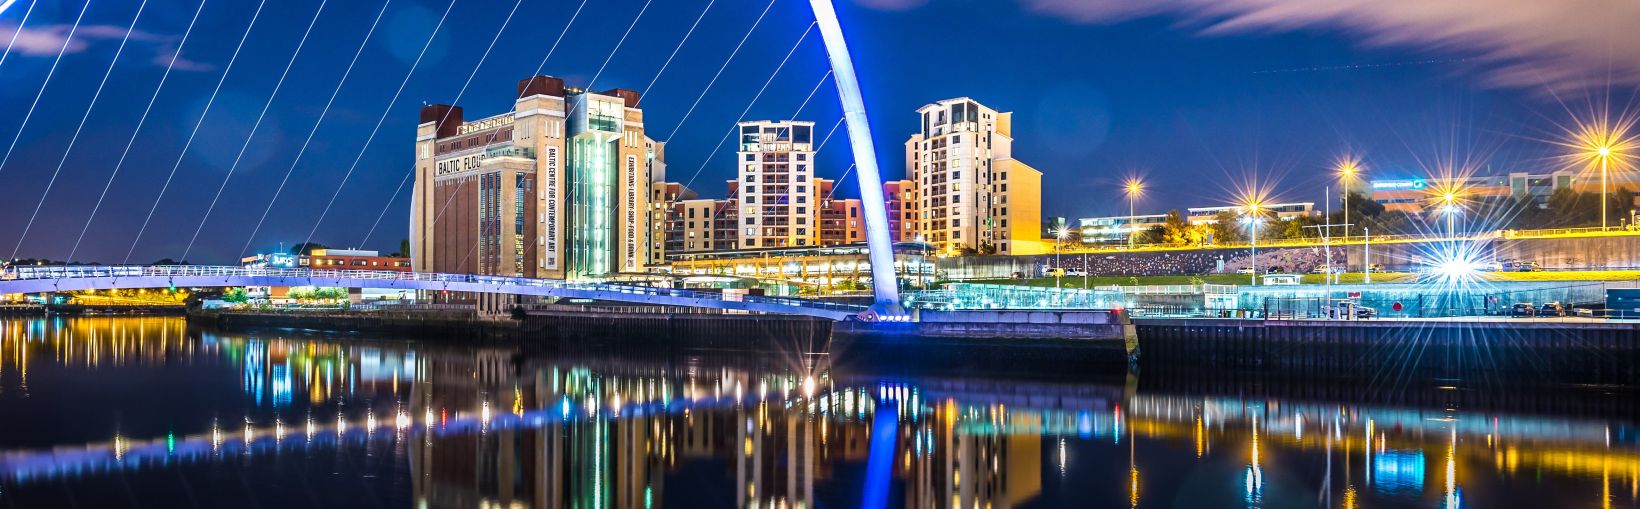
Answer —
1172 94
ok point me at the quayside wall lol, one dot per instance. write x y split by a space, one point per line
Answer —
1573 351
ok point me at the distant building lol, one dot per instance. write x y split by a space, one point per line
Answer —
1115 229
777 192
902 210
1282 211
338 259
972 195
557 188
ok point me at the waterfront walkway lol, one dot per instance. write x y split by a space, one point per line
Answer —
38 279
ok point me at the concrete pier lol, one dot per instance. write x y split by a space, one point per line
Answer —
1581 350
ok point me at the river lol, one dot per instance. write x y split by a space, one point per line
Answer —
148 412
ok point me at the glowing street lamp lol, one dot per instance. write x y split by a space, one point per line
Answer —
1604 152
1251 210
1134 187
1059 235
1450 208
1346 173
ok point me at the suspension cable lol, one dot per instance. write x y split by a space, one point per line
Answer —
72 140
49 75
140 121
383 118
190 143
254 127
725 65
675 50
20 24
315 130
749 105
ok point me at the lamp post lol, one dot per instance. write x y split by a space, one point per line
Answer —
1252 224
1346 172
1449 208
1058 255
1133 187
1605 153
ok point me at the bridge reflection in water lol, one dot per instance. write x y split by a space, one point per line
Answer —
561 426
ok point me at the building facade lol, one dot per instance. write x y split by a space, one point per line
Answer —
972 195
1281 211
777 192
558 188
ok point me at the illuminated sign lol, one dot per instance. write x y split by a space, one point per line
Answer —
488 123
282 260
549 190
1390 185
631 212
461 164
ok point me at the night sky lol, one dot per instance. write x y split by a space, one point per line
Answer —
1204 99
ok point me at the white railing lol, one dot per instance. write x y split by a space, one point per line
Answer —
49 272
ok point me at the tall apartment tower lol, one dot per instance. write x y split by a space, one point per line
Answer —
971 194
902 210
777 194
558 188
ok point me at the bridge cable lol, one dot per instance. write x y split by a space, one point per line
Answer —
19 31
618 44
49 74
725 65
463 183
383 118
719 210
675 50
543 65
78 129
736 128
254 127
132 141
197 124
315 130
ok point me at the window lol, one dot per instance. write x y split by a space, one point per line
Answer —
956 223
751 157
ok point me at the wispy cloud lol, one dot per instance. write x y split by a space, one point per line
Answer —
1519 43
1515 43
46 41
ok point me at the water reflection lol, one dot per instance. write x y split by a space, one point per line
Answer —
503 425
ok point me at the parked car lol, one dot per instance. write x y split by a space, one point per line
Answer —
1523 309
1551 309
1376 268
1529 267
1321 269
1245 270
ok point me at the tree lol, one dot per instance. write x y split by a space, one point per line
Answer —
1176 231
235 295
404 249
1227 228
306 248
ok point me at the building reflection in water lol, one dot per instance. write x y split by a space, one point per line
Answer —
494 426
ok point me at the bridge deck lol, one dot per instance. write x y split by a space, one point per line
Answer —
35 279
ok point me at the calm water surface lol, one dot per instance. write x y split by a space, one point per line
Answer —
144 412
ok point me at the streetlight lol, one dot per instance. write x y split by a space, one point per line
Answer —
1447 206
1604 152
1133 187
1251 218
1346 173
1058 254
